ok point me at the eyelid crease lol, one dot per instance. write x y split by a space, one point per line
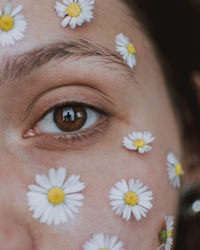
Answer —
75 85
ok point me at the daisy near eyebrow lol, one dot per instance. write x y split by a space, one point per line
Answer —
127 49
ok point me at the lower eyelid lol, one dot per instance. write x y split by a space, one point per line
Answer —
66 141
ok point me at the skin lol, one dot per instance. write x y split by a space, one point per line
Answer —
138 102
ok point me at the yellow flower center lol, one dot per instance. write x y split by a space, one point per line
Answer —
178 169
6 22
139 143
73 10
56 195
131 48
131 198
169 233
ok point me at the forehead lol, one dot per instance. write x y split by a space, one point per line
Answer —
110 18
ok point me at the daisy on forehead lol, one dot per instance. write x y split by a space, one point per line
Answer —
75 12
174 169
130 198
101 241
55 199
12 25
138 141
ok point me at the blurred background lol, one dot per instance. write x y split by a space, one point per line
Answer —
174 26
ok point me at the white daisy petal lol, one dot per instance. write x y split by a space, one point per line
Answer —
68 211
43 181
52 177
66 2
174 169
53 200
36 188
12 25
17 10
103 241
130 198
61 174
75 12
65 22
138 141
7 9
60 9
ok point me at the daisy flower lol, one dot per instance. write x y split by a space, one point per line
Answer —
126 49
101 241
138 141
130 198
166 234
75 12
53 200
12 25
174 169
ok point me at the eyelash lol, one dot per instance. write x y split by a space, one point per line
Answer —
74 138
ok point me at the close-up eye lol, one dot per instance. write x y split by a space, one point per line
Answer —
67 118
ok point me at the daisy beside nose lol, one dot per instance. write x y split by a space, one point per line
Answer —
53 200
12 25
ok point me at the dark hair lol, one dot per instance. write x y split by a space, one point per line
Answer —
173 26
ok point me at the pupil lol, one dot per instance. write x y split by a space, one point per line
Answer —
70 118
68 114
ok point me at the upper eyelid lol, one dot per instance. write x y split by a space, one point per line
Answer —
106 103
64 95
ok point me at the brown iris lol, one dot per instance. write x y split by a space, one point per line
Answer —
70 118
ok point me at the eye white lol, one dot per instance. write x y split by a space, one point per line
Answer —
48 125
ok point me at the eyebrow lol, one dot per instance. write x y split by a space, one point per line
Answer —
18 66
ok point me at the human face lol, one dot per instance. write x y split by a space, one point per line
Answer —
125 99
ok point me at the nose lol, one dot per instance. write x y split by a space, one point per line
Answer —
13 234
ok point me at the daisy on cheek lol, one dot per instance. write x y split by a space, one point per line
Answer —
54 200
138 141
101 241
130 198
166 234
174 169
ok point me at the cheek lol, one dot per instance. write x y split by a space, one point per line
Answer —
97 215
99 172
